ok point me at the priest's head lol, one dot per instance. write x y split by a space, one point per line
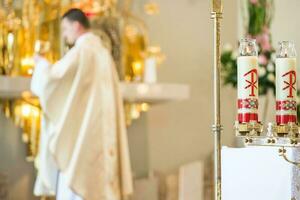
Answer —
74 24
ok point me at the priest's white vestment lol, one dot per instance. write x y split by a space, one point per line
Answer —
83 127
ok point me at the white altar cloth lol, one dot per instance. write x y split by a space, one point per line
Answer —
256 173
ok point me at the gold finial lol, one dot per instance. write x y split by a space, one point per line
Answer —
217 6
151 8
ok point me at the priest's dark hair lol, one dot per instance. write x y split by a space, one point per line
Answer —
78 15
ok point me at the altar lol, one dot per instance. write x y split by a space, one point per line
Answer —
258 173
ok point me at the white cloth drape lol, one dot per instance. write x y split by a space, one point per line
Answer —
255 173
296 175
84 133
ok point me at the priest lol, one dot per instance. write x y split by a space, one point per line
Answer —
84 151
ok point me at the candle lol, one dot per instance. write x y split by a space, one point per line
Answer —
247 65
150 74
286 78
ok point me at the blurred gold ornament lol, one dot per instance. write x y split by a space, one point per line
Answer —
155 51
134 43
27 66
28 117
8 14
145 107
9 52
26 95
151 8
137 69
93 7
6 108
42 47
133 111
134 40
9 26
12 21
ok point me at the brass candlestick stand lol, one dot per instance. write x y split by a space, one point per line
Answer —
216 15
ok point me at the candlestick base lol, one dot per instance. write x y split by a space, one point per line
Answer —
287 135
249 129
287 130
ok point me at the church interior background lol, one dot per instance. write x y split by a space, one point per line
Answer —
164 55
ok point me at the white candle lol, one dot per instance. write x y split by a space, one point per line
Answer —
247 88
150 73
286 90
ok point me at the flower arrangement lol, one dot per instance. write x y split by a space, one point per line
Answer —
257 19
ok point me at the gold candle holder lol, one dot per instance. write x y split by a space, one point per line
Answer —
252 128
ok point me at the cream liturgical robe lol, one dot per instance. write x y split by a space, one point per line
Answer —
83 129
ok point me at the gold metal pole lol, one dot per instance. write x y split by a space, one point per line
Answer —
216 15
